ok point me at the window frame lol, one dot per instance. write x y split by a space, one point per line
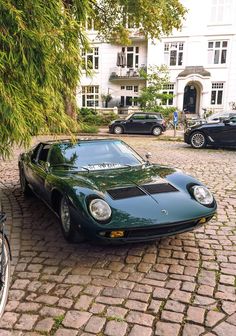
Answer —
94 96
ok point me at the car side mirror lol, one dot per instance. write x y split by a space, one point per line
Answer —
130 120
44 165
148 157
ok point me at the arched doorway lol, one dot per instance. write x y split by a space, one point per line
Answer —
190 98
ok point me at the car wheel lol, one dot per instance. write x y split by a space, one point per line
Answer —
24 183
5 260
198 140
118 130
72 235
157 131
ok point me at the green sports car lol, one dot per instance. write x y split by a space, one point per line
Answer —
102 189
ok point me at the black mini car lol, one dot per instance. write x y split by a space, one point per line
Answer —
214 134
149 123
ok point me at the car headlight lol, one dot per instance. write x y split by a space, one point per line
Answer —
202 195
99 209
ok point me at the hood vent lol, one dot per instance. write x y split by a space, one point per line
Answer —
129 192
158 188
122 193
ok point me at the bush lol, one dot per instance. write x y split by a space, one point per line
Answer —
85 128
91 117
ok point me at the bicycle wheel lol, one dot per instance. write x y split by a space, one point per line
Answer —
5 273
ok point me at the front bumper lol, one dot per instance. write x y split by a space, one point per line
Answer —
150 233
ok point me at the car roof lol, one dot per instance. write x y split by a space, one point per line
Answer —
61 141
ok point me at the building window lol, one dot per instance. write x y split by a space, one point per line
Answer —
168 89
173 53
132 56
217 52
217 93
90 58
221 11
90 96
122 87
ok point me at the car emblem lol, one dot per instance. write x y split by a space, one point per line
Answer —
164 212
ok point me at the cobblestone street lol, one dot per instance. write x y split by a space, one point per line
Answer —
181 285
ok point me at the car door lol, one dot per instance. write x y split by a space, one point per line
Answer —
138 123
228 136
39 171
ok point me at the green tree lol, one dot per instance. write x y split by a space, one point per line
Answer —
40 55
153 97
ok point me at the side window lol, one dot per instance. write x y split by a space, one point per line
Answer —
139 117
43 154
233 121
35 152
56 156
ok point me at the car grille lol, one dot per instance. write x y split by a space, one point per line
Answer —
122 193
161 230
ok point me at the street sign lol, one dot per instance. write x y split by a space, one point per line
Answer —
175 118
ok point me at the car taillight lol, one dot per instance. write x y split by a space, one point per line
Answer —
163 123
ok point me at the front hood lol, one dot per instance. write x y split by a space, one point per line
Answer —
144 195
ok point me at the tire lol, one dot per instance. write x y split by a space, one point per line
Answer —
6 276
118 130
157 131
198 140
69 232
24 183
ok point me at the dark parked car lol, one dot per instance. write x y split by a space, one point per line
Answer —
214 134
103 190
150 123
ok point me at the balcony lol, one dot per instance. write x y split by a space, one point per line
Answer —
126 74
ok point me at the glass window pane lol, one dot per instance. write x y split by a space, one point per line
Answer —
173 55
219 97
180 58
223 56
217 44
213 97
216 56
210 44
130 60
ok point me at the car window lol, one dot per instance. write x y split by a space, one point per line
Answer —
233 120
43 153
154 116
138 116
35 152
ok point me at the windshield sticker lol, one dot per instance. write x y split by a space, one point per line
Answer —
103 166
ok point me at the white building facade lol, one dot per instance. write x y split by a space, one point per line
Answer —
201 59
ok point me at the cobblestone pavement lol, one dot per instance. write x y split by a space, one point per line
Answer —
183 285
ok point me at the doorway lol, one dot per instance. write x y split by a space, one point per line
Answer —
190 99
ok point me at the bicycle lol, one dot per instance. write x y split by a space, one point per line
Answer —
5 261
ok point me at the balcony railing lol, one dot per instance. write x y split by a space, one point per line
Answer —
119 73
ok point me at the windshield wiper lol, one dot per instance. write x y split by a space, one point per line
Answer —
64 164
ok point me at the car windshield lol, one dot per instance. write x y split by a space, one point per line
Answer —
94 155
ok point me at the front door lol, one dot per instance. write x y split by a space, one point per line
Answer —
190 98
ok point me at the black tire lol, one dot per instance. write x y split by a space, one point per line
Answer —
198 140
157 130
4 288
118 129
69 232
24 183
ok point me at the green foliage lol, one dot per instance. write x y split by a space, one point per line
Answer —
39 64
154 18
86 128
40 56
152 97
91 117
